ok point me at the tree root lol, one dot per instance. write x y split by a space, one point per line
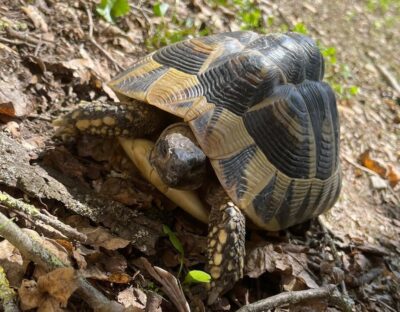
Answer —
32 250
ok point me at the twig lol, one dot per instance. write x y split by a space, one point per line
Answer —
389 78
94 42
26 37
16 42
290 297
12 203
362 168
33 251
7 294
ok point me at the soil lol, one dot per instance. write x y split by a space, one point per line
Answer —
50 61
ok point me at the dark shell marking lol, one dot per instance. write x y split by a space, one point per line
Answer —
260 113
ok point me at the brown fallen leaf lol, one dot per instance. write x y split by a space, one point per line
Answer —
372 164
291 265
29 295
101 237
12 263
133 298
36 16
50 304
60 284
393 175
386 171
96 273
170 285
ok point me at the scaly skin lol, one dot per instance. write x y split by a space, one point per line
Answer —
129 119
132 120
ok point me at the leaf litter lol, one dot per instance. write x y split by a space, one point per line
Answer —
51 68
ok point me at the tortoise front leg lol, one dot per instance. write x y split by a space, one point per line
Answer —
226 247
128 119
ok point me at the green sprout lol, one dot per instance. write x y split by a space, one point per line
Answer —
112 9
193 276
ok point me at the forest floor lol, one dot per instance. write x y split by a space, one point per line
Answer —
54 54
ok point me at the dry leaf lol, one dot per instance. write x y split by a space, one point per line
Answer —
101 237
29 295
133 297
60 284
79 258
171 285
374 165
291 265
388 171
393 175
119 278
96 273
36 16
50 304
261 260
12 263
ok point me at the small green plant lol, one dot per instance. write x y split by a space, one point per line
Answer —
300 28
177 245
193 276
160 9
174 30
112 9
336 74
196 276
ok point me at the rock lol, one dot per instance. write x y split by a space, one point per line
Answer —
378 183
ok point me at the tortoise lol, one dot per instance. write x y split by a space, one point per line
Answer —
254 107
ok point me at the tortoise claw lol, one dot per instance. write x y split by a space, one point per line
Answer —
226 248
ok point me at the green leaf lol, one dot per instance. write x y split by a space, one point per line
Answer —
111 9
173 239
353 90
197 276
160 9
120 8
300 28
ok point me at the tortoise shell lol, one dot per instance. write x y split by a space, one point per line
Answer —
259 111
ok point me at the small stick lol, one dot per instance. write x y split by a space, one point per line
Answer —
12 203
7 294
94 42
25 37
33 251
16 42
290 297
389 77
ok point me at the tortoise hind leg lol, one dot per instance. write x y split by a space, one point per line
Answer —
130 119
226 248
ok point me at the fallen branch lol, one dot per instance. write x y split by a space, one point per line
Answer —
33 251
290 297
15 204
7 294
